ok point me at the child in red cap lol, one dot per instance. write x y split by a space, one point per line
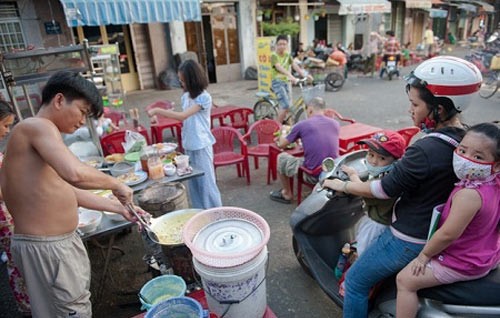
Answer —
384 149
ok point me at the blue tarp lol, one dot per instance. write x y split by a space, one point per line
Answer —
104 12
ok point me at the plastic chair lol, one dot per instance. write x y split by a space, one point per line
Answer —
408 133
224 152
238 118
112 143
115 116
165 123
332 113
264 131
301 181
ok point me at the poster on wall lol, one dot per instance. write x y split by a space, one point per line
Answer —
265 46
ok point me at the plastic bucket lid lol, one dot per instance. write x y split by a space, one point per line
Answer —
226 236
161 288
184 307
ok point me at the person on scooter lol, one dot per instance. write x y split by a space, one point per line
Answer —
281 62
438 90
466 245
320 139
384 149
392 47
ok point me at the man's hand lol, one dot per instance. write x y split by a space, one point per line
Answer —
132 218
123 193
294 80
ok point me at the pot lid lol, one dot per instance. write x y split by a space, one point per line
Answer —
228 236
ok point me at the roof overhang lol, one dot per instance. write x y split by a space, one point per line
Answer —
104 12
418 4
364 6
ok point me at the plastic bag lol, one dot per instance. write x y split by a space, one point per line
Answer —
368 232
133 141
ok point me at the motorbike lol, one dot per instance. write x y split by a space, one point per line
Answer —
326 220
391 67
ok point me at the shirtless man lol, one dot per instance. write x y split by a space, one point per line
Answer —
43 184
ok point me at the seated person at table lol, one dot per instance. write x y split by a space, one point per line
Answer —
43 184
320 139
384 149
305 60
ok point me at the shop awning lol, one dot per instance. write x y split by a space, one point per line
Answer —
418 4
438 13
364 6
486 6
104 12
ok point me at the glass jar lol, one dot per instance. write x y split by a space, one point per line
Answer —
155 168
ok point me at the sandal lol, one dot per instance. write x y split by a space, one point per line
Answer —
277 196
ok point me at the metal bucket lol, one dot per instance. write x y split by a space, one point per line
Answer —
160 198
169 229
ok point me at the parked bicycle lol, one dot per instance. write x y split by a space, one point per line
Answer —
490 85
267 106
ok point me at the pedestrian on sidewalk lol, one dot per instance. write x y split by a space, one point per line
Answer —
197 139
16 281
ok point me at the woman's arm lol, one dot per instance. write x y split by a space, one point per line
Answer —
350 187
465 204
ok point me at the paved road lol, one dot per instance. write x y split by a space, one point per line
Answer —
291 293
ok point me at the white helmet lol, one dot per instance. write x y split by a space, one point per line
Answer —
448 76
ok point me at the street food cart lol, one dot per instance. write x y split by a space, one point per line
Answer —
26 72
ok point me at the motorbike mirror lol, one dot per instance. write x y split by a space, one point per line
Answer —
328 164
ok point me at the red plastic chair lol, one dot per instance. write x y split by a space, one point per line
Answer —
115 116
332 113
264 132
408 133
301 181
238 118
225 153
112 143
165 123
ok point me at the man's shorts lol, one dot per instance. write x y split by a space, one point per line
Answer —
289 165
280 88
57 273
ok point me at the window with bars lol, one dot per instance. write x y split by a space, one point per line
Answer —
11 32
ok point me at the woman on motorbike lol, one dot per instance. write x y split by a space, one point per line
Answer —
438 90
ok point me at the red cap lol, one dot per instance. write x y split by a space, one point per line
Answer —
387 142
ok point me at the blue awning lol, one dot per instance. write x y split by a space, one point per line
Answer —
104 12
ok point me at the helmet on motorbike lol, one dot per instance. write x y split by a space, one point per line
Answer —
449 77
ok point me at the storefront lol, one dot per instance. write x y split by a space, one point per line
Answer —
138 26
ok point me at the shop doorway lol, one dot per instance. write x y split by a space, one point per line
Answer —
110 34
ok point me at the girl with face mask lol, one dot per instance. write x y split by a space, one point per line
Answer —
466 245
438 90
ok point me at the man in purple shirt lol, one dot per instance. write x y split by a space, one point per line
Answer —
320 139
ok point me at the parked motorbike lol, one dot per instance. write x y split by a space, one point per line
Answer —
390 68
326 220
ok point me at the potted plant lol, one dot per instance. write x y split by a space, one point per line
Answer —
259 15
268 13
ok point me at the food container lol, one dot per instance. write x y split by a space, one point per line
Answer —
120 168
93 161
88 220
182 162
160 289
169 169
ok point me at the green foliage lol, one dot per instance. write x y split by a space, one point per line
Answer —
286 27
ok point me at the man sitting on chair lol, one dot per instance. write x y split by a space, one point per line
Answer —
320 139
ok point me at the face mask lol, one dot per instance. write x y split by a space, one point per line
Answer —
469 169
376 171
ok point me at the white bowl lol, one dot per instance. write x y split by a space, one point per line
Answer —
122 167
88 220
114 216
